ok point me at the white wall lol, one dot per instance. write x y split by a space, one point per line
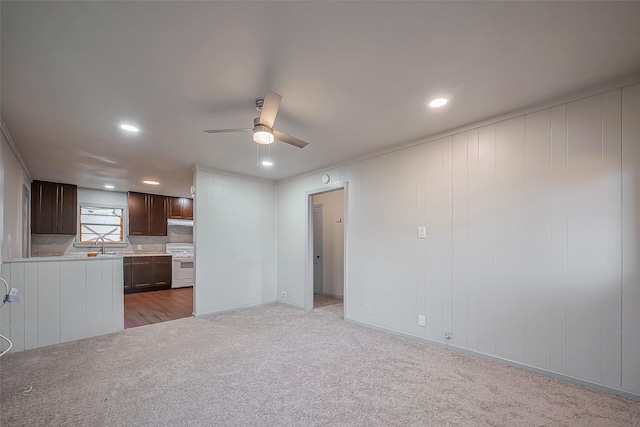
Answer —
12 178
235 240
532 239
332 241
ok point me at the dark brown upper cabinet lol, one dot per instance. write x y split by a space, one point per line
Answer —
54 208
180 208
147 214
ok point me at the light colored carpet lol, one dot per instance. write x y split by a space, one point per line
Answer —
278 366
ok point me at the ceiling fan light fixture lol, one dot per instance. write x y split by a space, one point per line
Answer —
262 135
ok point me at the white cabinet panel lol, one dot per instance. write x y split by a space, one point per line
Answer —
109 300
5 313
64 300
73 301
31 305
49 303
17 309
94 292
117 281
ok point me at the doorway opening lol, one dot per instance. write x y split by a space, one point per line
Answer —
326 247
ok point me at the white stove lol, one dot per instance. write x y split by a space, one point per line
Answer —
182 270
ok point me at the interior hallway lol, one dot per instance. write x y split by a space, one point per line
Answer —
324 300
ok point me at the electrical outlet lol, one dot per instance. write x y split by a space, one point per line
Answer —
422 320
139 247
367 309
422 232
447 335
283 294
13 292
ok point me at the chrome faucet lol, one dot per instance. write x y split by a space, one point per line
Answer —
101 238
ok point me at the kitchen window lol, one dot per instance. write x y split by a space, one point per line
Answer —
101 222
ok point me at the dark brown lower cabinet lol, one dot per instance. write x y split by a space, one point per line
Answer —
146 273
126 264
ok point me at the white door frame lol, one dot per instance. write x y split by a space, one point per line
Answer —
320 265
308 282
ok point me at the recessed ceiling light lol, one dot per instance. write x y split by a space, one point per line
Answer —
438 102
129 128
109 186
267 163
151 182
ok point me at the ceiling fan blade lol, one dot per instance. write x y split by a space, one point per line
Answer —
289 139
226 130
270 108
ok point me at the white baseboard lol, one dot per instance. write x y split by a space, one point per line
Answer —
228 310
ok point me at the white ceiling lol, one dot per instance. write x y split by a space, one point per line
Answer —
354 78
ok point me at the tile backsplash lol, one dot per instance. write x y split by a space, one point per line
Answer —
59 245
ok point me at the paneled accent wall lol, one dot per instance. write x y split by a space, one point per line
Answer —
533 239
62 300
235 239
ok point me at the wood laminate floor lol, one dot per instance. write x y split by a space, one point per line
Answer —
145 308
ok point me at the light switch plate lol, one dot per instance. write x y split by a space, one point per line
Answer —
422 232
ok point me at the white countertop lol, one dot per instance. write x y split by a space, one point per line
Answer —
82 256
62 258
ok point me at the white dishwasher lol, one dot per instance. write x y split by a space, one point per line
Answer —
182 274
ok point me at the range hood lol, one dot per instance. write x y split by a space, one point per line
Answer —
182 222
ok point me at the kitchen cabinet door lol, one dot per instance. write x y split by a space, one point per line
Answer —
126 264
54 208
67 209
157 215
138 214
187 208
147 273
142 272
180 208
162 270
147 214
44 207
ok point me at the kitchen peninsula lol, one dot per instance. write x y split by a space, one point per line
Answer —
63 298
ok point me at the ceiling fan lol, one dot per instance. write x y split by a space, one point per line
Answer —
263 132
